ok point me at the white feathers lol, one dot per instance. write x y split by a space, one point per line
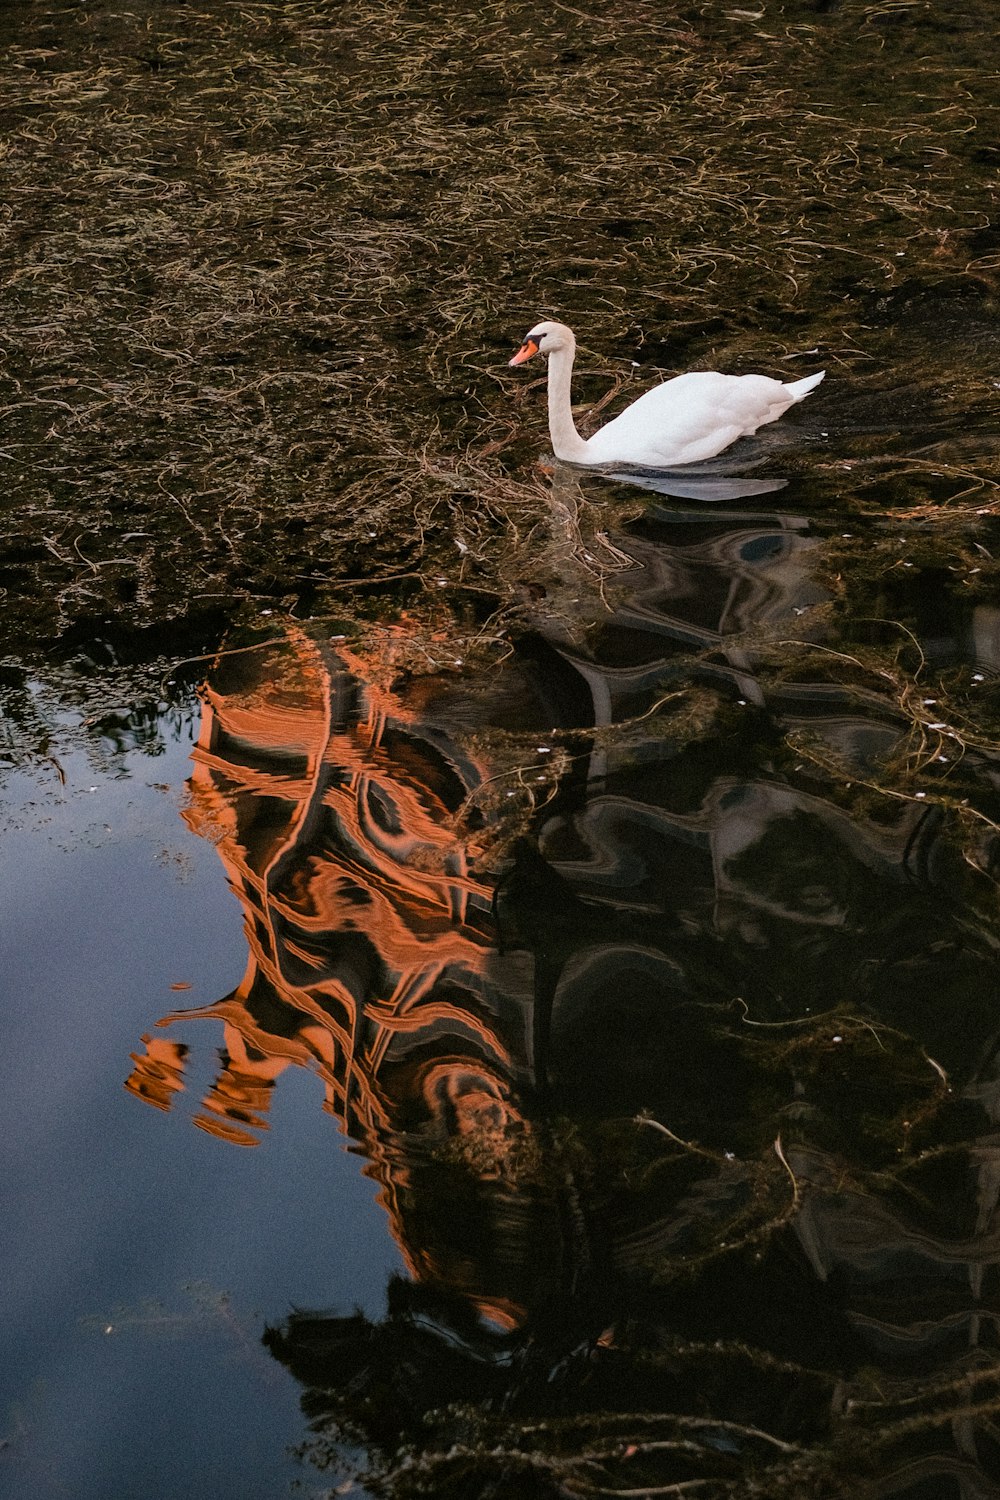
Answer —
684 420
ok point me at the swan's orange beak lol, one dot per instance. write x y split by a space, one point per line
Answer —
527 349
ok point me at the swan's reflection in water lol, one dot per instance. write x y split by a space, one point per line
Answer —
711 488
698 932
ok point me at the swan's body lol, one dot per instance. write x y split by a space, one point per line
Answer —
682 421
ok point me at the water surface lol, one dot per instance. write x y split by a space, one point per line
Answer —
500 963
142 1259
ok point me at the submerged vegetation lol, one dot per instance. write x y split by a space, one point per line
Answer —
265 266
266 262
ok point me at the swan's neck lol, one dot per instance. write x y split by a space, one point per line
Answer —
566 441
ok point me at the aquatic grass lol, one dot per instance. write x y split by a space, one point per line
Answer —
264 271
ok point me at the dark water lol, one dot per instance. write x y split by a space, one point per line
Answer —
501 965
680 1109
140 1257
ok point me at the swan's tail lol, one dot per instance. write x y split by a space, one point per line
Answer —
798 389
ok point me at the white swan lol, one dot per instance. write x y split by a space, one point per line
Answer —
682 421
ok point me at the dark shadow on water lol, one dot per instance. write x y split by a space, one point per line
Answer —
691 1161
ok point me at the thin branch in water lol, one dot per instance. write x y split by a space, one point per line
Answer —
780 1154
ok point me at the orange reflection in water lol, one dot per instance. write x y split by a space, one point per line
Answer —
331 798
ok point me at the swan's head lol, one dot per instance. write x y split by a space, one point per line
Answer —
545 338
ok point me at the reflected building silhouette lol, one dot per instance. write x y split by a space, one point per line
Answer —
692 931
333 802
